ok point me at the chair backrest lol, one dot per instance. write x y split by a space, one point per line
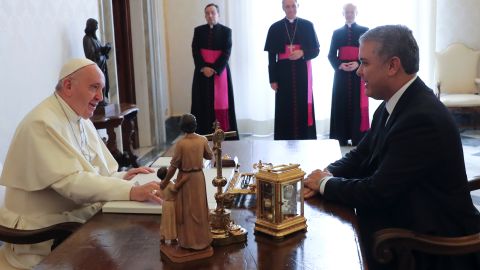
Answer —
456 69
395 245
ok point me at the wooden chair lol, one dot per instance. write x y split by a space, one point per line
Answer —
458 81
394 243
57 232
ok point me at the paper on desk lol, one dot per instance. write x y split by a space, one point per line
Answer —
161 161
133 206
154 208
165 161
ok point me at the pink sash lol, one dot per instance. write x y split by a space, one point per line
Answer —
285 55
350 53
220 89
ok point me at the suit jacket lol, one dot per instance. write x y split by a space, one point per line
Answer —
410 174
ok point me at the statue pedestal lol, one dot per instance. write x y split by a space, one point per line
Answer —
177 254
105 110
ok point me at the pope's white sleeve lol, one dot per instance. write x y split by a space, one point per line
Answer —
86 187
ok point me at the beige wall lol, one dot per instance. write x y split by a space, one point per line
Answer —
140 70
181 17
458 21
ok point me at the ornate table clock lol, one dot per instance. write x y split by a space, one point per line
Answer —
280 200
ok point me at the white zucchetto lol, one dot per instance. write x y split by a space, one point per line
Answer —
73 65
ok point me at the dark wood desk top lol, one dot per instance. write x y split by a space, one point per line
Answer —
129 241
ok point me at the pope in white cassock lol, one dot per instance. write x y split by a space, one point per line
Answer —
58 169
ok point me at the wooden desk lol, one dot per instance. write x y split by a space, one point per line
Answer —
129 241
123 115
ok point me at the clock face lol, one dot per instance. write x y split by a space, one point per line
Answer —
290 200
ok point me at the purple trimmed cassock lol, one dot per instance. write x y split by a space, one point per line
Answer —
294 110
349 114
212 98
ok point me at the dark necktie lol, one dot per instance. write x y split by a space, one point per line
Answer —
385 116
379 139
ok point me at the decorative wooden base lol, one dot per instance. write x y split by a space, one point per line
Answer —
281 230
224 238
281 242
177 254
224 231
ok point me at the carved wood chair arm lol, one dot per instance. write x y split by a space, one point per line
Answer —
57 232
474 183
397 243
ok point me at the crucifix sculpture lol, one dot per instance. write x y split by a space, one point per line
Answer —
224 230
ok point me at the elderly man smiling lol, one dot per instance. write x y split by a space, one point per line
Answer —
58 169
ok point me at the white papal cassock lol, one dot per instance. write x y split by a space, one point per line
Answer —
49 180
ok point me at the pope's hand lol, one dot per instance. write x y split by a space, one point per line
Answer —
132 172
146 192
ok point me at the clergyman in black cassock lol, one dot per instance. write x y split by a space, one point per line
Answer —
212 97
349 118
294 107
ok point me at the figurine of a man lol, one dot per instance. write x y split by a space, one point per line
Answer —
97 53
193 226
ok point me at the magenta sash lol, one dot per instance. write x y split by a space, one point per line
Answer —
350 53
220 92
285 55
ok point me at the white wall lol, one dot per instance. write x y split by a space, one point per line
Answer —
37 37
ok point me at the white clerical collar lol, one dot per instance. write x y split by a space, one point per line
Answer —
392 102
350 24
70 113
211 25
291 20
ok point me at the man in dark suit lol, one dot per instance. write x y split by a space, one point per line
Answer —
408 171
